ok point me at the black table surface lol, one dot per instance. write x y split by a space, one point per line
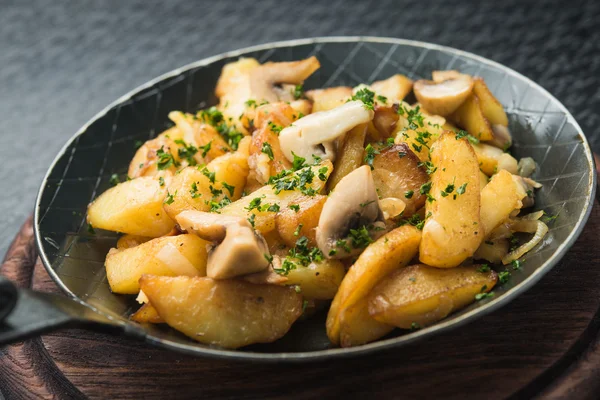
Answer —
63 61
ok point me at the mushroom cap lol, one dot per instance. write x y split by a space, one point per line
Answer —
315 133
353 203
242 252
208 226
264 78
444 97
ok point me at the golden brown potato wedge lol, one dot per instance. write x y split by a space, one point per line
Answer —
394 88
397 173
147 314
453 230
168 256
483 180
319 280
328 98
418 129
264 221
301 220
204 188
134 207
350 155
266 157
145 160
499 199
359 327
391 251
206 140
225 313
128 241
420 295
470 117
490 106
492 159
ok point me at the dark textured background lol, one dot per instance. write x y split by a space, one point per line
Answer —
63 61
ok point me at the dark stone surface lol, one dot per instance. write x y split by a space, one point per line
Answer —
63 61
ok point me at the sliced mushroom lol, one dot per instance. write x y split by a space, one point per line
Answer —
263 79
316 133
353 204
241 250
385 119
528 186
444 96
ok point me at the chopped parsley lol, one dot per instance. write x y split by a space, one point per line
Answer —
323 174
298 91
484 268
114 180
341 243
382 99
367 203
366 96
254 204
216 206
206 148
415 220
210 175
409 194
425 188
252 219
360 237
268 257
483 294
161 181
401 154
268 150
298 229
295 207
503 276
165 159
548 218
370 155
90 229
274 208
229 187
251 103
211 116
215 192
414 326
187 151
299 162
274 127
170 198
429 167
194 191
137 144
516 264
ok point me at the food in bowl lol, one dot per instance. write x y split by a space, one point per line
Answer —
391 205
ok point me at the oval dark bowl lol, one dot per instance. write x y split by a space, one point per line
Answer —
541 126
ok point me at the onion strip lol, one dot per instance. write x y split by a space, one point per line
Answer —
540 232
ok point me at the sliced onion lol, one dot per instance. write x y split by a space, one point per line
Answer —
175 261
524 225
526 167
540 232
142 298
391 207
533 183
534 216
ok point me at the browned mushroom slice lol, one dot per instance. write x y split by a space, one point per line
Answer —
443 98
398 174
385 119
264 78
351 217
241 250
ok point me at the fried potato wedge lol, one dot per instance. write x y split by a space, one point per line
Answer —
350 155
225 313
328 98
499 198
390 252
147 314
397 174
264 221
128 241
490 106
470 117
492 159
144 162
301 220
168 256
319 280
394 88
453 231
359 327
200 188
134 207
420 295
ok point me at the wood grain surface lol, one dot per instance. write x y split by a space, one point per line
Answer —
545 343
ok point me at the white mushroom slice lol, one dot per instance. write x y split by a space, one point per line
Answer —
264 78
353 204
444 97
242 252
315 134
208 226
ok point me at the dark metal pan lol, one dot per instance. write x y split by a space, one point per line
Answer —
74 258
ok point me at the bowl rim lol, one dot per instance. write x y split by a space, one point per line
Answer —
442 326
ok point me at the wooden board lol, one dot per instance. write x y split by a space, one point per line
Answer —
545 343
